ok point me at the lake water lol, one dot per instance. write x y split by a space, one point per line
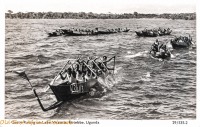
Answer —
144 88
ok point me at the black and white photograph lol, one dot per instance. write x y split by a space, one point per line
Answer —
100 60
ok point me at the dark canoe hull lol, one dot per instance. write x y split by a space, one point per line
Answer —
89 33
54 34
126 30
148 34
77 33
163 57
163 34
81 34
71 33
177 45
66 31
67 91
138 33
105 32
145 34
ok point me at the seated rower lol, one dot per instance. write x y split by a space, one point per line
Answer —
144 31
164 31
72 77
151 32
69 75
90 75
80 76
66 75
105 61
168 29
162 50
89 62
155 46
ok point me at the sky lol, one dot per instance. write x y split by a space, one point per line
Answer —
102 6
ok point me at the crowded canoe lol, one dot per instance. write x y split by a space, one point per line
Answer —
56 33
85 32
77 79
153 32
181 42
159 51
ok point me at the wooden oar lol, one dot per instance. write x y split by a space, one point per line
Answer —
96 65
90 69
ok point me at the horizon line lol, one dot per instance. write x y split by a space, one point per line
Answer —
98 12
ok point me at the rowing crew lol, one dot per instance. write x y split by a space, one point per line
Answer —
183 39
81 71
89 31
159 50
159 31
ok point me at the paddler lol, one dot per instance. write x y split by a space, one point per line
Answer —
105 60
72 78
163 50
79 75
89 62
68 75
155 46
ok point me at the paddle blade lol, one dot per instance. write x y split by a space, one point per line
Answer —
22 74
46 89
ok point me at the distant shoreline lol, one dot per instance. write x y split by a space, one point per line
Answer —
90 15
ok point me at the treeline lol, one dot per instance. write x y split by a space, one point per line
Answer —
90 15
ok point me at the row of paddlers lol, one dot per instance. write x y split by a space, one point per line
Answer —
85 32
88 32
153 32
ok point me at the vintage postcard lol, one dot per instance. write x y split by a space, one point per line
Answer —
99 63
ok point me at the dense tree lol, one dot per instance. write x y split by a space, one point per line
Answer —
91 15
135 14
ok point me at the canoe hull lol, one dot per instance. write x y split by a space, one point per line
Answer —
165 56
145 34
151 33
67 91
176 45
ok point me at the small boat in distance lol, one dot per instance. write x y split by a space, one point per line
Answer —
146 34
182 42
85 32
160 51
153 32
